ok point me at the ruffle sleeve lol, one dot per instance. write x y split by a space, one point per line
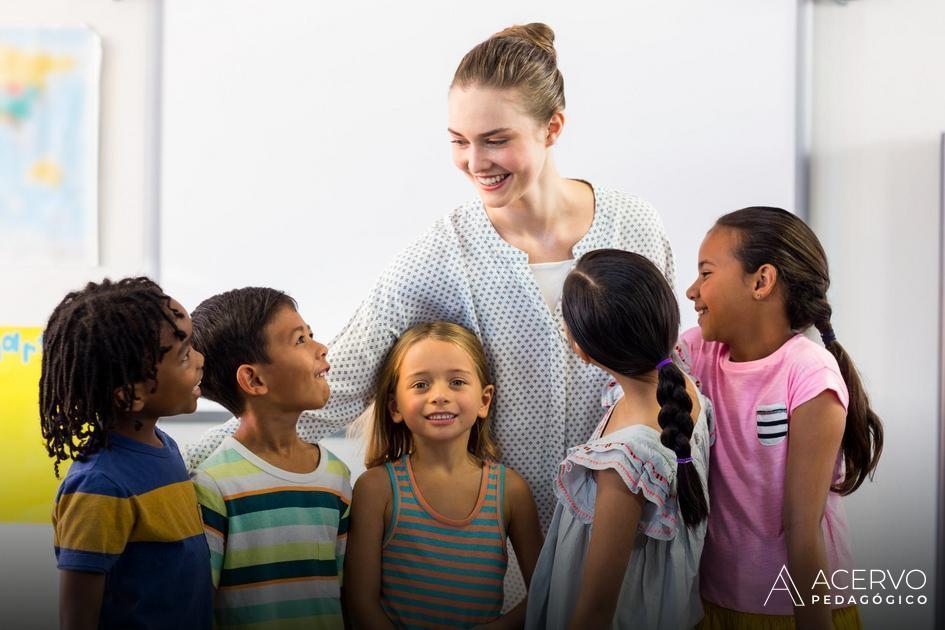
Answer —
642 465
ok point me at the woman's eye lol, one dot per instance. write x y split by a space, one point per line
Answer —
458 142
496 143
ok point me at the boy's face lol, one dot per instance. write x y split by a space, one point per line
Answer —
295 374
178 373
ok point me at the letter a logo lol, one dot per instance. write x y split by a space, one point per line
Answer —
787 584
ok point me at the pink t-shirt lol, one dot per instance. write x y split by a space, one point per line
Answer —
745 547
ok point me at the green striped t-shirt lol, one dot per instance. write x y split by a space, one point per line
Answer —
277 539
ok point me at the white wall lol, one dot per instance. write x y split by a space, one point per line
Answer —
879 110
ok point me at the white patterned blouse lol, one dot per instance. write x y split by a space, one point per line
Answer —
462 271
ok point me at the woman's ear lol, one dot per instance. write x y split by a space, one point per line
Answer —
250 380
395 414
764 281
554 128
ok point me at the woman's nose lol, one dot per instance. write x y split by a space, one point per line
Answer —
478 160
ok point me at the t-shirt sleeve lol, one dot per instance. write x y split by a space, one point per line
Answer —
92 522
815 379
215 522
643 468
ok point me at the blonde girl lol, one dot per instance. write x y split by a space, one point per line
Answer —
430 517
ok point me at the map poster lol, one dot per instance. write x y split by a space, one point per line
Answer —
49 113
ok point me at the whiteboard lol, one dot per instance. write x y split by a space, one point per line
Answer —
304 143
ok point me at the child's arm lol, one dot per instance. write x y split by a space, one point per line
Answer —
521 517
80 599
370 504
616 516
816 432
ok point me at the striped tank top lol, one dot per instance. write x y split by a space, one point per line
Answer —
439 572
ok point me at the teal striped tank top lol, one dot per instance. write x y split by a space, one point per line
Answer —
438 572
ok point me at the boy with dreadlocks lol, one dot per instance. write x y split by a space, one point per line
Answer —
128 536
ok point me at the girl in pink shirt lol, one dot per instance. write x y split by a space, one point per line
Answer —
795 429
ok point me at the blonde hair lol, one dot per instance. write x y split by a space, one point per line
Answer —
521 58
388 440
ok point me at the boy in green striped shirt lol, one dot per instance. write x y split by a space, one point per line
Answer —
275 508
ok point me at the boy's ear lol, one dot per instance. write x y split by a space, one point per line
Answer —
487 394
764 281
395 414
120 398
250 380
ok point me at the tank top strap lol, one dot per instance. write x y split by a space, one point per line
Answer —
401 490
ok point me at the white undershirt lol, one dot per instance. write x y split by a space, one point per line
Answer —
550 278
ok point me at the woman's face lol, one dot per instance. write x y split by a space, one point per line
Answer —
499 146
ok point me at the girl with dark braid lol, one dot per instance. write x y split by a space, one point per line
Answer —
129 539
624 543
795 427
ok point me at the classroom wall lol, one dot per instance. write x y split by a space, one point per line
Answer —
878 112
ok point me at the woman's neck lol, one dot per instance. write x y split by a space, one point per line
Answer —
547 220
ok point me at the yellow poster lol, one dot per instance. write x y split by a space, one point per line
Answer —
27 483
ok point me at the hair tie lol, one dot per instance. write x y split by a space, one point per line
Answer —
683 460
828 336
663 362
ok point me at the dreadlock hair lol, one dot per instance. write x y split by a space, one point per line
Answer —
621 311
99 342
779 238
229 330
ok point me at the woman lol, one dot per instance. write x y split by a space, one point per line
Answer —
496 265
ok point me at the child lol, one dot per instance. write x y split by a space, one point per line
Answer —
432 512
638 484
275 508
130 547
796 427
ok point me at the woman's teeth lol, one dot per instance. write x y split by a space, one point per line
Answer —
492 181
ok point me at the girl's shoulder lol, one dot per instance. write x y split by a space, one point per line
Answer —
373 484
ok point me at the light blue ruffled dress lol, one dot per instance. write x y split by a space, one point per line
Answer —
661 586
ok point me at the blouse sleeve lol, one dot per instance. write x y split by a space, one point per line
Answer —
642 466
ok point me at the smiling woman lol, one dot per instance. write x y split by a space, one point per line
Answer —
480 265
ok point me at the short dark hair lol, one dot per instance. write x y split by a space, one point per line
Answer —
101 339
228 331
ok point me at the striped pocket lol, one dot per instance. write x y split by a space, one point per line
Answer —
772 423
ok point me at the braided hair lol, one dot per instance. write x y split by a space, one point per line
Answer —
777 237
621 311
99 341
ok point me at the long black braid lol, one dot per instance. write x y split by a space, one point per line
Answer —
621 311
100 340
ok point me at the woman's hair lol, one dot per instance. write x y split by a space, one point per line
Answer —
621 311
779 238
98 341
388 440
521 58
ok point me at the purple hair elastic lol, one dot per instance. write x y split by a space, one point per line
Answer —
663 362
683 460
